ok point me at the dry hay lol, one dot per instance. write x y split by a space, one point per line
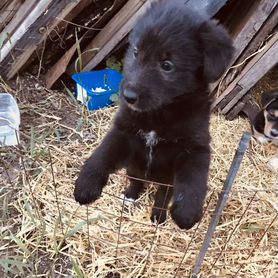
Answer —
267 83
59 247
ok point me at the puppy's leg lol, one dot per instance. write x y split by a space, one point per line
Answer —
190 186
161 201
114 152
135 187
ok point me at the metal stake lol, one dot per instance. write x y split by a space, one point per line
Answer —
243 145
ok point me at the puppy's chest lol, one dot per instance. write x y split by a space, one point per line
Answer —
150 141
150 138
154 143
155 150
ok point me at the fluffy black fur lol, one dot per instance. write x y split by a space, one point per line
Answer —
174 53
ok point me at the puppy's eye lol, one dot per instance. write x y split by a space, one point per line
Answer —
272 115
135 51
167 66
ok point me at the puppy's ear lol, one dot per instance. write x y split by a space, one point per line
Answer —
268 96
217 47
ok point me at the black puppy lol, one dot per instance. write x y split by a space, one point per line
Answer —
265 126
161 131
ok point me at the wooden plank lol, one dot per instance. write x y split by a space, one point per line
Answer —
250 28
229 97
76 11
254 45
259 69
246 69
261 35
7 12
122 24
36 33
106 46
266 63
29 20
60 67
248 106
233 113
3 3
23 10
113 32
253 25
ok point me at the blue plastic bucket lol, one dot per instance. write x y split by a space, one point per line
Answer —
94 89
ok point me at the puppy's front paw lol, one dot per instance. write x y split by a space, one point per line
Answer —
88 187
186 213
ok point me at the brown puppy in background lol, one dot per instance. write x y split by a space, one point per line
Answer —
265 126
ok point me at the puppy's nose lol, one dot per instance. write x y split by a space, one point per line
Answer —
130 96
274 132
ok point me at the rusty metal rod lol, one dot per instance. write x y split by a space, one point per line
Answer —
243 145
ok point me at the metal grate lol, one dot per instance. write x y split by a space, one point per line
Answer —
203 248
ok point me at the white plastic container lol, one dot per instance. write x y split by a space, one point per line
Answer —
9 120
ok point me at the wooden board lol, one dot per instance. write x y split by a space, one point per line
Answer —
266 63
248 106
60 67
3 3
83 4
248 30
238 107
17 19
25 24
7 12
253 25
122 24
117 28
261 35
247 70
35 34
256 69
229 97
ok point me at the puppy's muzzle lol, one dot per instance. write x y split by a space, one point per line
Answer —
130 96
